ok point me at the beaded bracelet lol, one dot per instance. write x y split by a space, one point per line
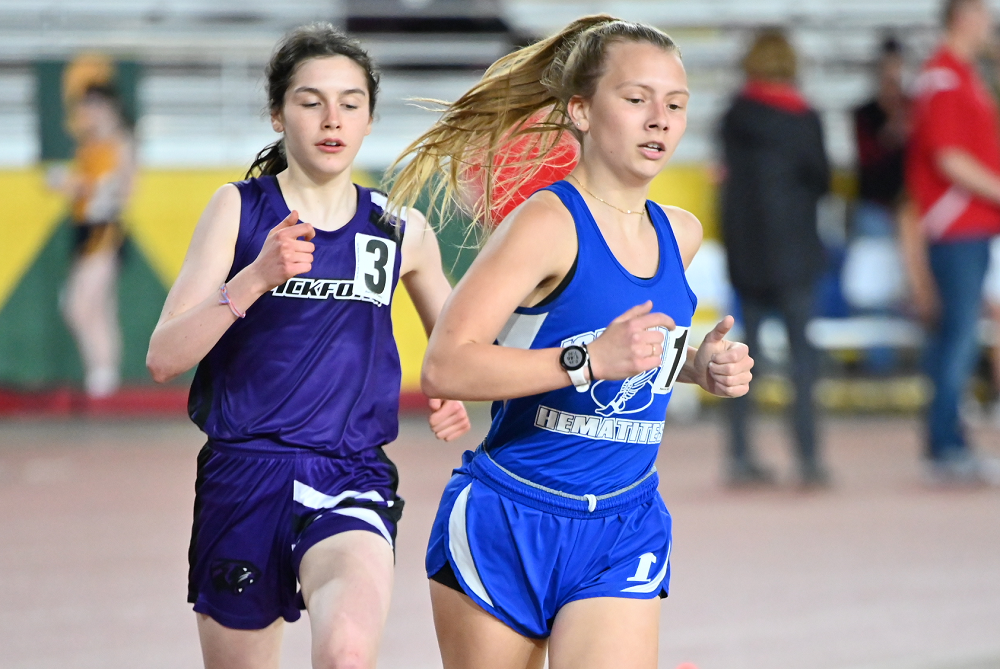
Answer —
224 299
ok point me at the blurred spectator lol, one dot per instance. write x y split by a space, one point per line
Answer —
776 171
953 174
98 186
873 276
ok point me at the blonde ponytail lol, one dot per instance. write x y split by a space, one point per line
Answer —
512 119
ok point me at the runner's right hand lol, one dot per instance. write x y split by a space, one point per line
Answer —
629 346
284 255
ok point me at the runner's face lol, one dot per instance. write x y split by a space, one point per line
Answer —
638 112
977 23
95 118
325 116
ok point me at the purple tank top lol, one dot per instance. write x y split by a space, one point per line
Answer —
314 364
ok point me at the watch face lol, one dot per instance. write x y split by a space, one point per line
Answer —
572 357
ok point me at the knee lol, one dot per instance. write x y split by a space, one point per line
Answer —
347 655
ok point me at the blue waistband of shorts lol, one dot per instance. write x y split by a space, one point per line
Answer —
519 489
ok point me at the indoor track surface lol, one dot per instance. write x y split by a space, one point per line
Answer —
878 572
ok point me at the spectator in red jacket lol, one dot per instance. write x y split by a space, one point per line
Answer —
953 175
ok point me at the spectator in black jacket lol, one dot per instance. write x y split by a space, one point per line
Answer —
775 172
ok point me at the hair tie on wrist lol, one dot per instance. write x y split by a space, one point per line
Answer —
225 299
590 370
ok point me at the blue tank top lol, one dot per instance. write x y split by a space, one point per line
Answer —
606 438
314 364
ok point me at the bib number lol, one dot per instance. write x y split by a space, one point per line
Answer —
674 354
376 261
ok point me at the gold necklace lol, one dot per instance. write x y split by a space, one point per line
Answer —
624 211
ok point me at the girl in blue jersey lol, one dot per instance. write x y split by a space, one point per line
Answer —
552 537
298 375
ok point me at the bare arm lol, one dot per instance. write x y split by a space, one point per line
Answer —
421 271
913 247
687 230
428 289
533 246
964 170
192 320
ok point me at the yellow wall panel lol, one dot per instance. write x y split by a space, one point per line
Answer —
28 216
689 187
164 209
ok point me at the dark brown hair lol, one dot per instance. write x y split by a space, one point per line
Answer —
315 40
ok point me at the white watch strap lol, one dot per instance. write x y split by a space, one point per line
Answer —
579 379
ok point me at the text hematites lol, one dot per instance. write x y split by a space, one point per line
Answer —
599 427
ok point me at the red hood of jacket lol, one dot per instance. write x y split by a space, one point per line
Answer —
775 94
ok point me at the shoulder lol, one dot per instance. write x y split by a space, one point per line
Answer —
228 196
541 215
222 213
218 228
687 230
538 239
393 225
415 226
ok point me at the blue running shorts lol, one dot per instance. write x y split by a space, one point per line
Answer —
258 509
522 553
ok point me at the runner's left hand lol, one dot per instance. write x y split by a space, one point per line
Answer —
448 419
722 367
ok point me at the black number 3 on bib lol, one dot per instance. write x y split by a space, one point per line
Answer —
376 261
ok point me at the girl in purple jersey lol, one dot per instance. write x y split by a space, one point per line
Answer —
298 376
527 558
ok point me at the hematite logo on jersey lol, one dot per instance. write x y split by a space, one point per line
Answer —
636 393
233 575
598 427
317 289
620 398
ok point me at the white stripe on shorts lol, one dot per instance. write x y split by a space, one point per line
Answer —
314 499
461 552
369 516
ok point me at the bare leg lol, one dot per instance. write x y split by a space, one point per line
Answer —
227 648
91 311
347 584
470 638
606 633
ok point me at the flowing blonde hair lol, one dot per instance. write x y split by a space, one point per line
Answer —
516 114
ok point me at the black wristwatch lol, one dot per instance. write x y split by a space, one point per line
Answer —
573 359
